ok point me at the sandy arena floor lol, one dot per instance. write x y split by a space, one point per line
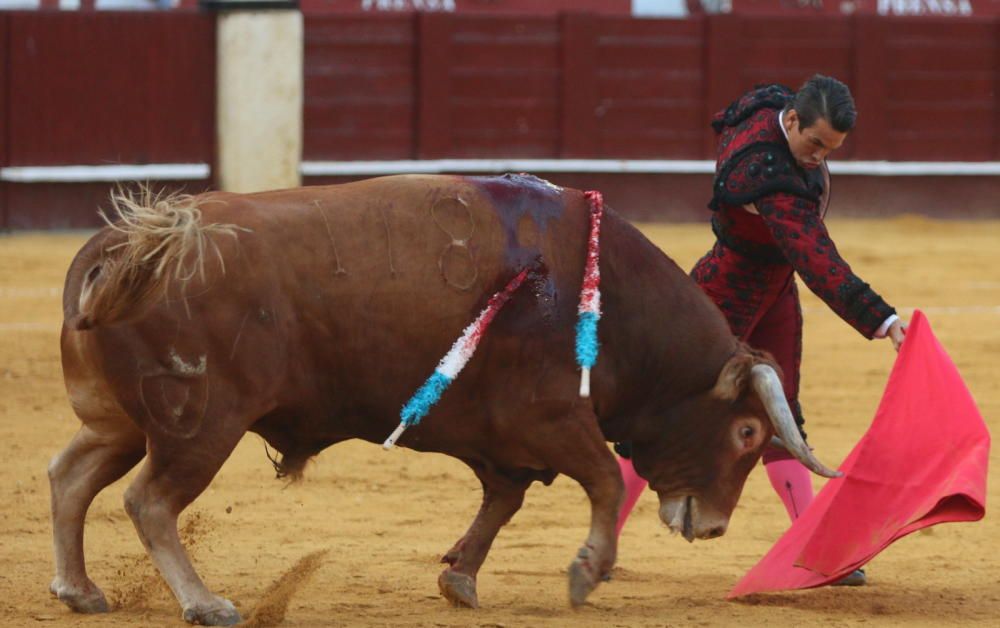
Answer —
358 541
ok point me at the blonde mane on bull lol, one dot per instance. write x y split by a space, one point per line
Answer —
159 237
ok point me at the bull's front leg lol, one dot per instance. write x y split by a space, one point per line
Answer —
502 497
576 447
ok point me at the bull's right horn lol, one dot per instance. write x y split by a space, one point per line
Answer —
772 395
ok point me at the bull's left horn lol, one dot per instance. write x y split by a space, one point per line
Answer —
772 395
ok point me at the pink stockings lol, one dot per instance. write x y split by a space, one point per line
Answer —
793 484
633 488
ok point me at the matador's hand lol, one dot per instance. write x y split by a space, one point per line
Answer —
897 333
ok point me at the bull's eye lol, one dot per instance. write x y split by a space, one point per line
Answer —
746 431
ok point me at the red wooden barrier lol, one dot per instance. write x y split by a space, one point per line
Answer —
632 88
4 97
360 81
882 8
136 88
491 7
614 87
4 92
926 92
869 88
489 87
70 205
86 88
996 89
89 88
940 89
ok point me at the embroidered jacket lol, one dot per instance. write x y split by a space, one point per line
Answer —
755 166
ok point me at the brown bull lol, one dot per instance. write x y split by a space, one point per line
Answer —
309 316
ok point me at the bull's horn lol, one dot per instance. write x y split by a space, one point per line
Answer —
772 395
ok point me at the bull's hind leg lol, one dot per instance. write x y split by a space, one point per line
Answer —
176 472
502 497
576 447
91 461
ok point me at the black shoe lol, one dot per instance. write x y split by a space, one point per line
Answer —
856 578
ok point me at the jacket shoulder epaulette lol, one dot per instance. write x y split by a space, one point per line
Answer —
760 169
762 96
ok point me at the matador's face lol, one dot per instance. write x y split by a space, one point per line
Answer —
811 145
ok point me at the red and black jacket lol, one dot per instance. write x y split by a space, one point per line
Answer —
755 165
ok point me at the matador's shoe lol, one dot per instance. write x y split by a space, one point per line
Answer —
856 578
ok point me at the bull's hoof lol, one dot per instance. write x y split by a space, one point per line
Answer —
458 588
86 599
581 581
221 613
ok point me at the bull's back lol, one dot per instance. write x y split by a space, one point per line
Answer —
371 282
451 234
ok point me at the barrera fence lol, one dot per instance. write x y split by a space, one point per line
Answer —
90 97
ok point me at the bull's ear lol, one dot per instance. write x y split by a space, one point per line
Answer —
734 377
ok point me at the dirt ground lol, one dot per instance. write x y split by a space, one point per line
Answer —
358 541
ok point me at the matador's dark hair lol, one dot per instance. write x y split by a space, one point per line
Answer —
827 98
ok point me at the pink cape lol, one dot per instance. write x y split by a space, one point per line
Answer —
922 461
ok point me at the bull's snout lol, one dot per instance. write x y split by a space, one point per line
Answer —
715 532
687 516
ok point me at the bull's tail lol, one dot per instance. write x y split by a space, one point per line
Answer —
155 238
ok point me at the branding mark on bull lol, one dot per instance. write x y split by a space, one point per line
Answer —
339 270
173 413
450 210
388 240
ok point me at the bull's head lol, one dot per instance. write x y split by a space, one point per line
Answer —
700 460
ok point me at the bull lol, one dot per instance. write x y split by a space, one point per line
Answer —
308 316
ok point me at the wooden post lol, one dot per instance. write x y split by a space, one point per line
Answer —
259 99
